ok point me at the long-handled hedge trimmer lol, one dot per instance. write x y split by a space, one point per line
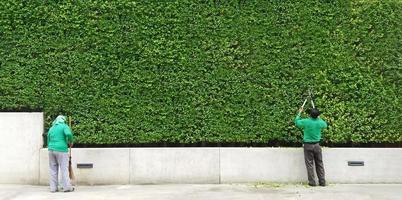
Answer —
310 96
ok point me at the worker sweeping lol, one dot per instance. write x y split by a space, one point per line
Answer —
58 139
311 143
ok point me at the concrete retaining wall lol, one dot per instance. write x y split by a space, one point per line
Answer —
110 166
262 164
21 140
174 165
24 162
228 165
380 165
287 165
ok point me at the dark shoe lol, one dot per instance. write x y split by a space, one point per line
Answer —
322 183
312 184
70 190
53 191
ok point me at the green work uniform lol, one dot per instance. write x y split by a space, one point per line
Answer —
311 128
58 136
312 150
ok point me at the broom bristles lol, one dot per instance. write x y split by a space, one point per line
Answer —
70 170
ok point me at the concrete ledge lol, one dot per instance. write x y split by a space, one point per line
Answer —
21 140
287 165
174 165
228 165
380 165
110 166
24 162
262 164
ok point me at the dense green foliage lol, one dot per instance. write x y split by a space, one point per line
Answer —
201 70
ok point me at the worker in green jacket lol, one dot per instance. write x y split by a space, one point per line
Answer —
311 143
58 139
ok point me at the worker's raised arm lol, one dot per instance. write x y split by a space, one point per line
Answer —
298 119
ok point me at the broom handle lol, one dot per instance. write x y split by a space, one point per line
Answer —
70 170
69 124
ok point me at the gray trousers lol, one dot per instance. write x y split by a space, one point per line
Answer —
58 162
313 156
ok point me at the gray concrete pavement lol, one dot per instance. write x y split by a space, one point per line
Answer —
208 192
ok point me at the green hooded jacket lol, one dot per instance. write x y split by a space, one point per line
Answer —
59 135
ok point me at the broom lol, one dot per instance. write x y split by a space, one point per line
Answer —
70 166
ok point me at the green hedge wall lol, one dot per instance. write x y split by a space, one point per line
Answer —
187 71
